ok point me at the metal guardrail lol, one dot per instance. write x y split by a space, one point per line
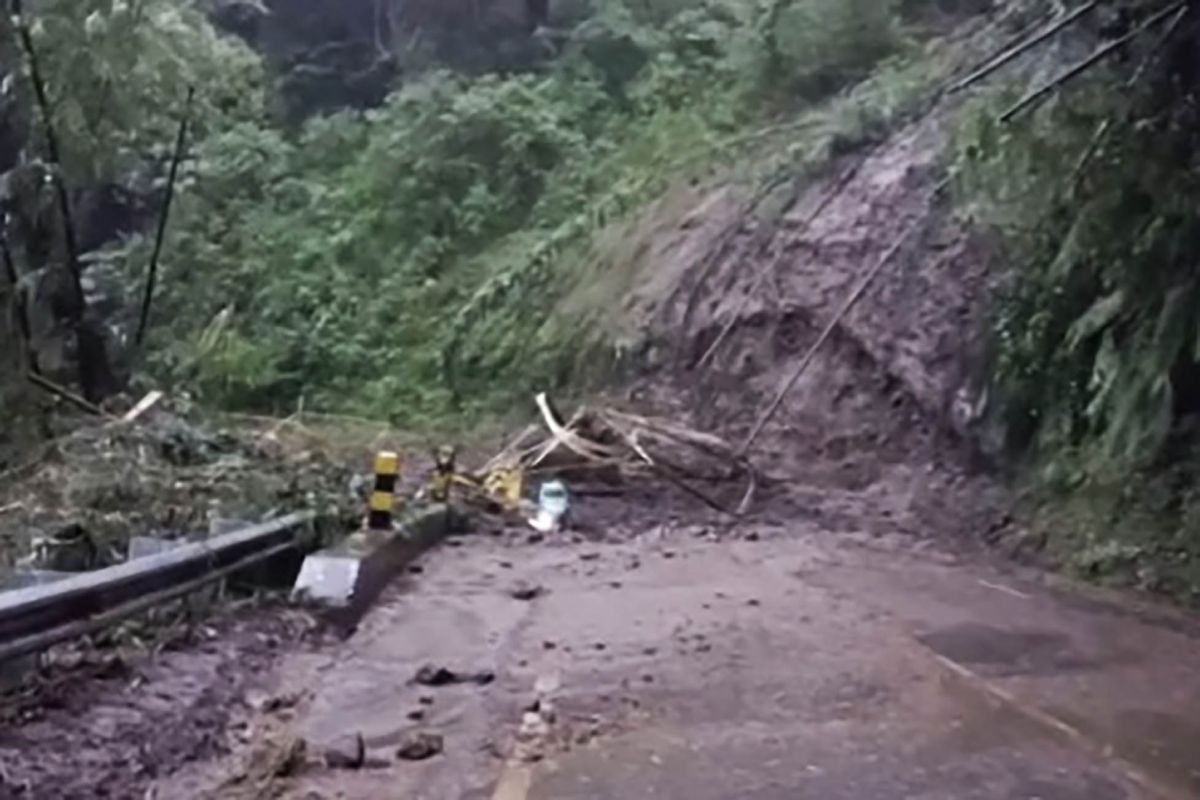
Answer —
37 617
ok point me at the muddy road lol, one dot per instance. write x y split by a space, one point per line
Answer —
852 639
755 662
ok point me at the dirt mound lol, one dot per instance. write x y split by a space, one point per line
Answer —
877 435
171 474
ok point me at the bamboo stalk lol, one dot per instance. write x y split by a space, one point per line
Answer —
1010 42
47 385
1101 133
1035 96
1005 57
160 234
60 189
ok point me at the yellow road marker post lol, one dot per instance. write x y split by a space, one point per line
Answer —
383 497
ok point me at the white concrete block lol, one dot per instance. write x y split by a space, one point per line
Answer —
328 578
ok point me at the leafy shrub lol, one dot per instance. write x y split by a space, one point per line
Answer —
1101 323
408 261
117 74
816 47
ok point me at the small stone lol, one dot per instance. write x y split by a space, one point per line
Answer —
349 752
417 714
589 556
549 645
533 727
534 538
280 702
600 646
432 675
650 651
616 584
648 678
668 554
525 591
751 536
291 759
753 602
425 700
415 569
420 746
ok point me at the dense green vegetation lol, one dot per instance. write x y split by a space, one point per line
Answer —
117 74
412 260
406 261
1097 331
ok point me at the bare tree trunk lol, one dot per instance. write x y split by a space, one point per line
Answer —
96 377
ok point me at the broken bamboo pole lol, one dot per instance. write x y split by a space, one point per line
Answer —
160 234
849 303
1012 41
49 386
95 371
1038 94
1005 57
1100 135
52 149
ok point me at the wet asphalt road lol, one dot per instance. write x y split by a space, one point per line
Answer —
790 667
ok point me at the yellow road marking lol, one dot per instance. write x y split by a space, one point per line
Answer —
515 783
1047 721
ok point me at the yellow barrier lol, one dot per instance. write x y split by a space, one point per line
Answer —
383 498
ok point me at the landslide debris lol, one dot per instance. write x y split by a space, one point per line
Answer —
75 502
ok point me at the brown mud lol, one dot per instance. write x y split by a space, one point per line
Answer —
109 720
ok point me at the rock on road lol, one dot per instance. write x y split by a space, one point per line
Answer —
797 665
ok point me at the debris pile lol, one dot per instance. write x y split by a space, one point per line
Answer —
612 452
76 503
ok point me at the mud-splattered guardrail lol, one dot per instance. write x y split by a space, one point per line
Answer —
38 617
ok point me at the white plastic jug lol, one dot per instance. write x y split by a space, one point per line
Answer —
553 504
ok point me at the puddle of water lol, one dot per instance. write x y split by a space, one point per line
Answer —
997 651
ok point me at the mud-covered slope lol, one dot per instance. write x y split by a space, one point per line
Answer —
876 435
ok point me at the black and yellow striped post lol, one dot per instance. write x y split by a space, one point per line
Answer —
383 498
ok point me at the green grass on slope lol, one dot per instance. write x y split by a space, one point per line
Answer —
407 262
